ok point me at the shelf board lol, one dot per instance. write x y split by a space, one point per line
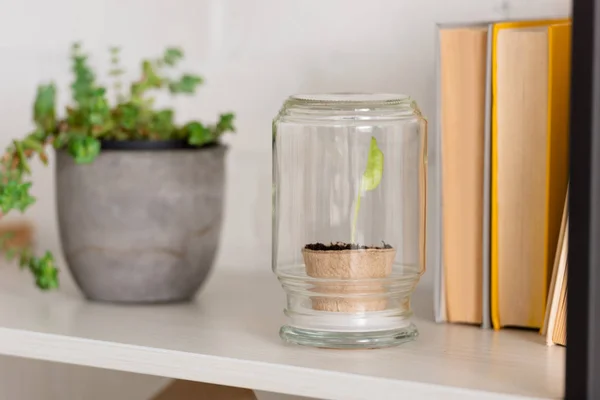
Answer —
229 336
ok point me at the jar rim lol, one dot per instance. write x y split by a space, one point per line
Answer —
348 106
350 98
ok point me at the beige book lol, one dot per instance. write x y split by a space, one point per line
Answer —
463 66
559 336
521 143
558 272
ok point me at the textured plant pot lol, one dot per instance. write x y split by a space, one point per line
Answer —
350 272
141 226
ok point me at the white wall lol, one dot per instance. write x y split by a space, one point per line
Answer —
253 54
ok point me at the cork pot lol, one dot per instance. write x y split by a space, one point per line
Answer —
141 224
357 294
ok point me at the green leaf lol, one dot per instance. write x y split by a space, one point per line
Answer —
127 115
84 149
151 78
44 112
37 135
369 180
15 196
198 134
37 145
186 84
44 157
83 86
45 271
23 164
98 113
226 123
162 123
374 170
61 140
25 257
172 56
33 144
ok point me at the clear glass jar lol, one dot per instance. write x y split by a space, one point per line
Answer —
349 204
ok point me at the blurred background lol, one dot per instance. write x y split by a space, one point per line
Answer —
252 54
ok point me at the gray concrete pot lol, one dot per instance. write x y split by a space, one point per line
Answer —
141 225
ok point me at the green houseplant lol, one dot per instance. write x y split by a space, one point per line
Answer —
92 123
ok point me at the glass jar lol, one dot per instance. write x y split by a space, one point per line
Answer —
349 204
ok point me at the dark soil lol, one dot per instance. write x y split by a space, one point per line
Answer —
344 246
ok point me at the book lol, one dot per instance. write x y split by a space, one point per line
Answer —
559 335
555 318
464 95
463 216
530 86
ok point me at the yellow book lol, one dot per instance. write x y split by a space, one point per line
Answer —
530 110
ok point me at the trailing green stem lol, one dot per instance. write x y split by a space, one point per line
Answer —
355 219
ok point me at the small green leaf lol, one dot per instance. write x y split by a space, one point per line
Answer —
198 134
151 78
162 123
45 271
83 87
374 170
33 144
370 179
172 56
23 164
44 112
127 114
226 123
15 196
84 149
25 257
44 157
38 135
186 84
61 140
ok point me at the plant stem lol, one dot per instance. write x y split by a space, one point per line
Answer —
355 219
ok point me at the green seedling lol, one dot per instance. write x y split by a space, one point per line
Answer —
369 180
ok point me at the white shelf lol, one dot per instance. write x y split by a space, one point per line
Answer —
229 336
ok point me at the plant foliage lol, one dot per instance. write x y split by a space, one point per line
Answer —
88 120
